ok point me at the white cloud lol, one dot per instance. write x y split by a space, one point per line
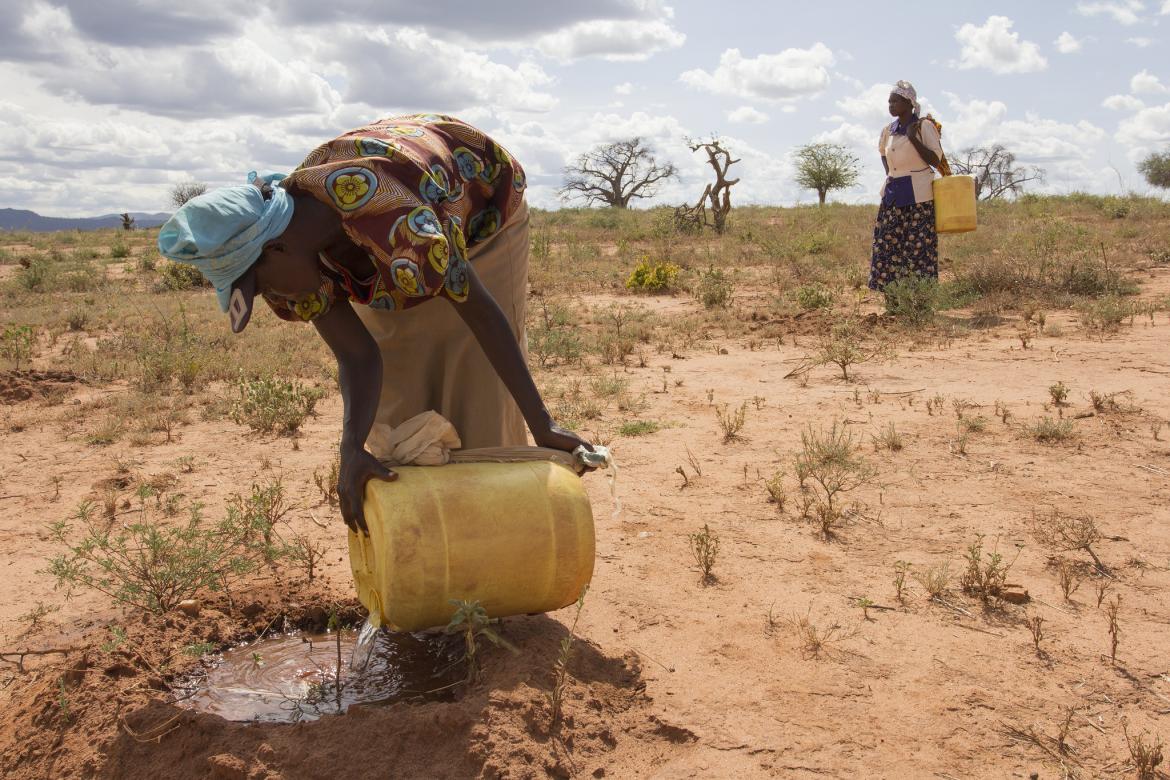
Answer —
1066 43
1165 8
747 115
1141 43
1122 103
1146 83
1127 12
1146 130
610 40
625 88
995 47
790 74
399 69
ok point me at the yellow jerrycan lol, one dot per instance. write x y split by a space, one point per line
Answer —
517 537
954 204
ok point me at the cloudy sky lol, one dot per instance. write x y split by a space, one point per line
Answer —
107 104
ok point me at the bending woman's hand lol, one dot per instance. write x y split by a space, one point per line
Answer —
357 468
557 438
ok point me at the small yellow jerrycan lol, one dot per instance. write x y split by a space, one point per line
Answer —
954 204
517 537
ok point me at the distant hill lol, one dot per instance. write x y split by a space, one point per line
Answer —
22 219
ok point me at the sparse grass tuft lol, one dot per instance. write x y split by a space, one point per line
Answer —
1049 431
986 574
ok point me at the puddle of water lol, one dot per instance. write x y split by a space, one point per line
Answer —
293 677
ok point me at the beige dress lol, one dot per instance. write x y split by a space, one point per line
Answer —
432 361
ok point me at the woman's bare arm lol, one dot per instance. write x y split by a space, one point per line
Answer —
359 372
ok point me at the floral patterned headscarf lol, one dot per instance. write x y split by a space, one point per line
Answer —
906 90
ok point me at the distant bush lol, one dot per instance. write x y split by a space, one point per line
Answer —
814 296
714 289
180 276
649 277
914 299
119 250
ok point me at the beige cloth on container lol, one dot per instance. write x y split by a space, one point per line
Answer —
428 439
432 361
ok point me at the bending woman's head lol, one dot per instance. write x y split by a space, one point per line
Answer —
236 236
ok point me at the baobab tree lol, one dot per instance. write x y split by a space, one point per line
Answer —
613 174
995 171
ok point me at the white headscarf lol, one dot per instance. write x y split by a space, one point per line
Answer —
906 90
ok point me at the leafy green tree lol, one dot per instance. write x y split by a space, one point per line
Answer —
1156 168
826 167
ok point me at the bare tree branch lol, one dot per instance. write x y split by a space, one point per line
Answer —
614 174
995 171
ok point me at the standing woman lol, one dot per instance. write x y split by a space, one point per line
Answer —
905 241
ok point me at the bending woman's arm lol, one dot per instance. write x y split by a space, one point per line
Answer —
483 315
359 372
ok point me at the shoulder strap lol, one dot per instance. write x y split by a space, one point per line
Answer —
944 167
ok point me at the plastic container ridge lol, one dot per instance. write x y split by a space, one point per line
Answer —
954 204
517 537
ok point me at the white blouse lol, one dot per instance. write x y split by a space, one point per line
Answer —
904 160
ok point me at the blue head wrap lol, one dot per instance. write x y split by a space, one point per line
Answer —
223 232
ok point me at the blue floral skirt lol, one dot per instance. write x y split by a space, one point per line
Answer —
905 243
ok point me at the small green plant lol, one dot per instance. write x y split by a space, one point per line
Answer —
901 569
714 289
731 423
305 552
16 344
554 338
37 614
705 548
1059 393
149 565
776 492
1049 431
865 604
119 250
117 639
913 299
845 346
830 459
472 622
272 404
199 649
639 428
814 296
652 277
556 695
986 574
